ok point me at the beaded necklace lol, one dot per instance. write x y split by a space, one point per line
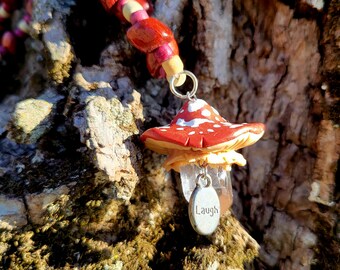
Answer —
11 37
199 143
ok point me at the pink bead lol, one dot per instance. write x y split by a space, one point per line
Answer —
155 58
19 33
138 16
163 53
9 42
27 18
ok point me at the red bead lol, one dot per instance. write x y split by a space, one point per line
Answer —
108 4
9 5
8 41
155 58
149 34
153 66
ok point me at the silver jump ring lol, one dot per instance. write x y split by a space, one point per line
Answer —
189 95
205 177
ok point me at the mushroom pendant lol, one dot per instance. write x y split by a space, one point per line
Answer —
201 144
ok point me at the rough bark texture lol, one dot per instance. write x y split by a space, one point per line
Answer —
78 190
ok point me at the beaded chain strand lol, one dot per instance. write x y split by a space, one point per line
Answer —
150 36
10 37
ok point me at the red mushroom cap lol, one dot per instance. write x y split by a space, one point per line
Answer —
199 127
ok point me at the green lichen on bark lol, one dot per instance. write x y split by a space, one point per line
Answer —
60 54
33 117
92 230
231 250
30 120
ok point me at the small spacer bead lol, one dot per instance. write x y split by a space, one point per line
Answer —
173 66
130 7
164 53
27 18
138 16
23 26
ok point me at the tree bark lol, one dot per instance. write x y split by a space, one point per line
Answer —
78 189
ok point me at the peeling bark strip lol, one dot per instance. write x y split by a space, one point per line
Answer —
278 55
84 194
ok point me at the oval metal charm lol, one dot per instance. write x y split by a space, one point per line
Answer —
204 210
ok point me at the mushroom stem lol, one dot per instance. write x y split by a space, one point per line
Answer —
221 182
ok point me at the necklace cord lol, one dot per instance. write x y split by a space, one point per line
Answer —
156 40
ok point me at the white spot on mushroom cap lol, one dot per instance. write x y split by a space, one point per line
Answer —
216 126
201 132
196 105
179 128
163 130
211 130
192 123
236 125
191 133
206 113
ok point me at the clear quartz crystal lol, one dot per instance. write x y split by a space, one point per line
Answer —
221 182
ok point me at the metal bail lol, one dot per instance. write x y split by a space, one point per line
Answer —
191 95
204 206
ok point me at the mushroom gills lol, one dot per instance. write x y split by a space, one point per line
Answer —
221 182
